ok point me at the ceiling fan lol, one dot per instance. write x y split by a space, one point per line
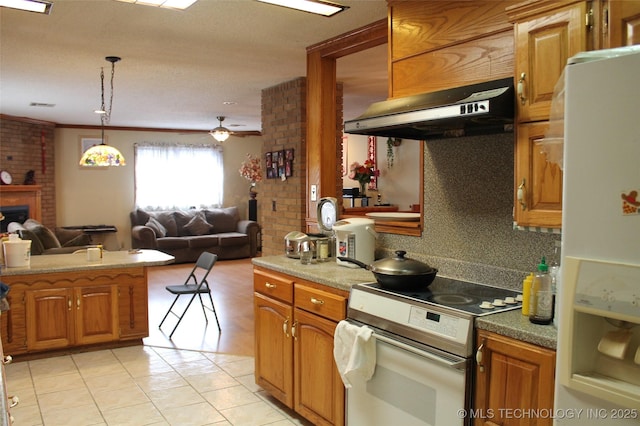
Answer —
221 133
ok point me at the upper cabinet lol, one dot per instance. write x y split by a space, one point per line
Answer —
620 22
544 42
547 33
434 46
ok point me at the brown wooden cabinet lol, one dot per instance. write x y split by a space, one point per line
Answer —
538 198
620 22
547 33
512 378
62 317
74 308
546 36
295 321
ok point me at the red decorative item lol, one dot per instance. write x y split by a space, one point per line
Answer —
372 157
43 152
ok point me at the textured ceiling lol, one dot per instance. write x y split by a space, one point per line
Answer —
178 68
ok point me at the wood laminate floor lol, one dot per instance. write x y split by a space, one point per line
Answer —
232 290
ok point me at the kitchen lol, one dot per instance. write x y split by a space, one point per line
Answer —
470 197
468 214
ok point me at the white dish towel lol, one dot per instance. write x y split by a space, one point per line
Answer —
354 350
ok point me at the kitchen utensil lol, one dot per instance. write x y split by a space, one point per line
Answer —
292 242
399 272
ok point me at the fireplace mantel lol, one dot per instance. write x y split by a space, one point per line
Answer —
19 195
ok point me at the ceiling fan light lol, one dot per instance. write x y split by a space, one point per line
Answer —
28 5
220 134
317 7
102 155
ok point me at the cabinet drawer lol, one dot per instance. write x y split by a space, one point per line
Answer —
273 285
320 302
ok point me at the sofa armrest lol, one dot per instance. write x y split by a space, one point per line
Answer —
143 237
252 229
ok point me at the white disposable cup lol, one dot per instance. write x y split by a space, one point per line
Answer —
93 254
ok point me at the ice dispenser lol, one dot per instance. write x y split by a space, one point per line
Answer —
601 313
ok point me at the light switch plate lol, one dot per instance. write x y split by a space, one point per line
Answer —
314 192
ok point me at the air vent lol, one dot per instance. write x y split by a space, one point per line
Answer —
41 104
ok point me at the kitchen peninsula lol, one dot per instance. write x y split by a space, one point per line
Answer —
63 301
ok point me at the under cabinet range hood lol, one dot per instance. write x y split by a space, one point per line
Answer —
482 108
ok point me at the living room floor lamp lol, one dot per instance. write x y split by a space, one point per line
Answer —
104 155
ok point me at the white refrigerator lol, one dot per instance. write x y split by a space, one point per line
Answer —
598 355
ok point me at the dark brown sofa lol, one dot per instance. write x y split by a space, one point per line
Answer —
185 234
46 241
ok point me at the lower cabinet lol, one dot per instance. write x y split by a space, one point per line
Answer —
61 310
514 380
62 317
295 321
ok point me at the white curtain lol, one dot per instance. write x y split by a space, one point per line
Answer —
169 176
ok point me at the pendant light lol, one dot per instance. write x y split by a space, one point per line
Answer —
103 155
220 133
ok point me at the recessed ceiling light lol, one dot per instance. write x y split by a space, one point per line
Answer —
167 4
28 5
318 7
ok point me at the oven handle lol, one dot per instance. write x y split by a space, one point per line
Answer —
458 365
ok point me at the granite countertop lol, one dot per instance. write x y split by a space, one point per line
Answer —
511 323
328 273
51 263
517 326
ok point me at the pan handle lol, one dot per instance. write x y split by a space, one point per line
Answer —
354 261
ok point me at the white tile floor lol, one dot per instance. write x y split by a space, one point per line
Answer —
142 385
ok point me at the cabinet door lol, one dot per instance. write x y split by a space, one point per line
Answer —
49 317
621 23
96 314
543 45
512 375
538 182
274 347
133 307
319 392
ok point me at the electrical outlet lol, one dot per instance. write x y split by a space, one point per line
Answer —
314 192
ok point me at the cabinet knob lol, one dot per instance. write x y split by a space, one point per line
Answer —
285 327
317 301
293 330
269 285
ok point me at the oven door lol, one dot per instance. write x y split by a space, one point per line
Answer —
413 385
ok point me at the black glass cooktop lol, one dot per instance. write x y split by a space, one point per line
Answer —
461 295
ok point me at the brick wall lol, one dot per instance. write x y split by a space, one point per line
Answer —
280 203
22 149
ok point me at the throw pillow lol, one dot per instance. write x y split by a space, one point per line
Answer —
78 240
36 245
46 237
157 227
168 221
223 220
198 225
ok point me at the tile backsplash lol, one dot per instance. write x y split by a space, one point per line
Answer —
468 214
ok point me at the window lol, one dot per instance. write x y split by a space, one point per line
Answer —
169 176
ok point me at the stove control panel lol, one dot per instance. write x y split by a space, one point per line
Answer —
436 322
